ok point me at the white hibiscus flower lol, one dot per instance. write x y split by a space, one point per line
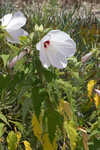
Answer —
55 48
12 23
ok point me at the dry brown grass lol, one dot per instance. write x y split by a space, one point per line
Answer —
62 1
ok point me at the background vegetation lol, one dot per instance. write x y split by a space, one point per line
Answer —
51 109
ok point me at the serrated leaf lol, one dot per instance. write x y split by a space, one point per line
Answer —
4 119
12 140
1 129
5 58
37 99
54 120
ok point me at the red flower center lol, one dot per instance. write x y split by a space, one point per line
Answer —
46 44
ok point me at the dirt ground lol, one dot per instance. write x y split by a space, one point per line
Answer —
94 5
63 2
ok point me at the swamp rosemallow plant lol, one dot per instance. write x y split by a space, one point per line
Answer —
55 48
47 101
12 23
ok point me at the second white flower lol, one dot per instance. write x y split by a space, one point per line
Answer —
12 23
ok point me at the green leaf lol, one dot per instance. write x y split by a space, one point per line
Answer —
18 125
8 82
75 75
12 140
4 81
13 48
54 120
23 39
48 75
5 58
37 99
26 105
4 119
1 129
66 86
47 30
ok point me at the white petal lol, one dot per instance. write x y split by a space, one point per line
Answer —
17 21
55 35
63 42
44 59
15 35
38 46
58 36
6 19
97 91
56 59
67 48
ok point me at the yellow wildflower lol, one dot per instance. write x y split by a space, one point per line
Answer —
18 134
27 145
90 87
97 100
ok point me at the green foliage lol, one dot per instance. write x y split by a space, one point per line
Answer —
4 119
37 99
54 120
12 141
49 108
5 59
1 129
